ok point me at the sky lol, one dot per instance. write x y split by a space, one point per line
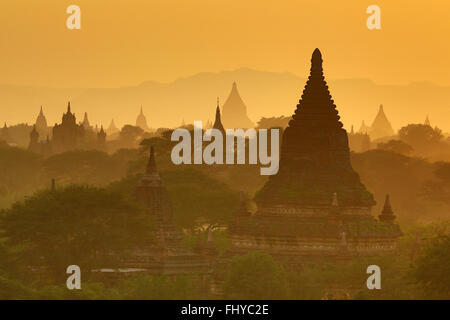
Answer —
123 43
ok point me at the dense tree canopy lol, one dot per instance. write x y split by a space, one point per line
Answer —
255 275
86 226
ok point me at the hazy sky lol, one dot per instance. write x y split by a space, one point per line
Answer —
127 42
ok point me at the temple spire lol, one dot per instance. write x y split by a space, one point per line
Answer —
151 165
68 107
387 214
218 122
315 155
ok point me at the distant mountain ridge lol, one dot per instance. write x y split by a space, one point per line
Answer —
192 98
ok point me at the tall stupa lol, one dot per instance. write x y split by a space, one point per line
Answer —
41 124
315 156
141 121
234 111
316 204
381 127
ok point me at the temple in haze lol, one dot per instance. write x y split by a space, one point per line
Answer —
381 127
218 121
66 136
112 129
234 111
141 121
41 125
316 204
165 253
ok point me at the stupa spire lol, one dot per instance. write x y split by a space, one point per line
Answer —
218 122
387 214
151 164
315 154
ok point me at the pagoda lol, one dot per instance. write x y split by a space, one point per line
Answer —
316 199
41 124
235 111
112 129
364 128
68 135
141 121
164 253
381 127
218 122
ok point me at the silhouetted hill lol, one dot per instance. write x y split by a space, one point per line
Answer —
194 98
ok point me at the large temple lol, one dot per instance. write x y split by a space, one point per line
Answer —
381 127
234 111
68 135
316 204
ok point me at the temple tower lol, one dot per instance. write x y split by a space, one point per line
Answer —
316 205
68 135
235 111
101 139
315 157
141 121
152 192
363 129
41 124
112 129
427 121
85 123
218 122
381 127
34 141
387 214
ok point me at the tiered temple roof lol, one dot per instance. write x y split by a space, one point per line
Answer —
235 111
381 127
316 204
315 157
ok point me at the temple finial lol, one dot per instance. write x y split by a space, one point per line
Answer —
387 215
68 107
316 60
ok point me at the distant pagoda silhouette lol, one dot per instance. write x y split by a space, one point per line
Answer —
141 121
315 157
364 128
316 205
112 129
427 121
218 122
234 111
41 124
381 127
164 253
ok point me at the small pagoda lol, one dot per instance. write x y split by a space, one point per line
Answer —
316 204
164 253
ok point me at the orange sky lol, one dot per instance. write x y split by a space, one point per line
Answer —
127 42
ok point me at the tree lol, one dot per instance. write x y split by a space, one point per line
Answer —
79 166
422 138
19 170
396 146
86 226
198 200
130 134
431 269
255 275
